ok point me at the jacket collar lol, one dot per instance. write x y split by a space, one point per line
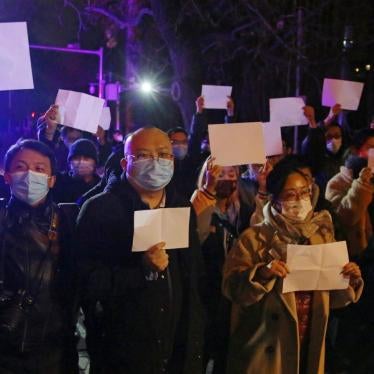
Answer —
20 211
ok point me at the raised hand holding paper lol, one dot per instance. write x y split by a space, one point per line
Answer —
169 225
82 111
15 63
287 111
237 143
345 93
316 267
216 97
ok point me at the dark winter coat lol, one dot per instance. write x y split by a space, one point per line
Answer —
136 325
40 264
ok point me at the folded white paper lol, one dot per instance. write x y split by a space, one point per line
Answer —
105 118
287 111
237 143
169 225
273 139
15 63
215 97
316 267
82 111
345 93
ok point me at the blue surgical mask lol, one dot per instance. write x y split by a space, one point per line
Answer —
150 174
180 151
29 186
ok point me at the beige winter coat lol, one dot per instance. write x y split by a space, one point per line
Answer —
265 336
350 199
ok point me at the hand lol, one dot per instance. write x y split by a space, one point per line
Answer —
335 110
365 175
262 175
100 135
310 115
351 271
276 268
199 104
211 176
50 116
230 106
156 257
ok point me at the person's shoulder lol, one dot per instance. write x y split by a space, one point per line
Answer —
102 198
100 205
261 232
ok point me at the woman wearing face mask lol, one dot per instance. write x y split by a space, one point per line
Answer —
324 147
351 194
82 176
275 332
217 206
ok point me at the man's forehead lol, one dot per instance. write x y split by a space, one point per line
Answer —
30 155
148 139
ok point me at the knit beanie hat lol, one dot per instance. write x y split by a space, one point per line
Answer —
83 147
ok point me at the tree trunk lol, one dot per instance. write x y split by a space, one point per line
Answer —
184 56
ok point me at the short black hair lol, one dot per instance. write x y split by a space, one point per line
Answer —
360 137
277 178
175 130
34 145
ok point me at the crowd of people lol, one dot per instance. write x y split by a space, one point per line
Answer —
67 227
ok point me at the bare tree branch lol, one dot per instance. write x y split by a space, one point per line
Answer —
120 23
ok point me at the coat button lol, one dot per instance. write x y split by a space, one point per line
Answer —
269 349
274 316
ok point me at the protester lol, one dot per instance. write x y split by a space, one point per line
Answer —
60 138
217 208
324 147
186 160
143 310
199 142
37 293
351 194
275 332
81 177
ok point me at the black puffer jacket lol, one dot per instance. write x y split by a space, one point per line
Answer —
42 266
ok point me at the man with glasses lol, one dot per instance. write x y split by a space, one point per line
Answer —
142 310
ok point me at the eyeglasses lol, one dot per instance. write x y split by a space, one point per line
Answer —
161 157
294 194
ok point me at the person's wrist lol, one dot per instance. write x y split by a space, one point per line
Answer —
313 124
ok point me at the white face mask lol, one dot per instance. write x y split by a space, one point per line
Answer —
29 186
296 210
333 145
